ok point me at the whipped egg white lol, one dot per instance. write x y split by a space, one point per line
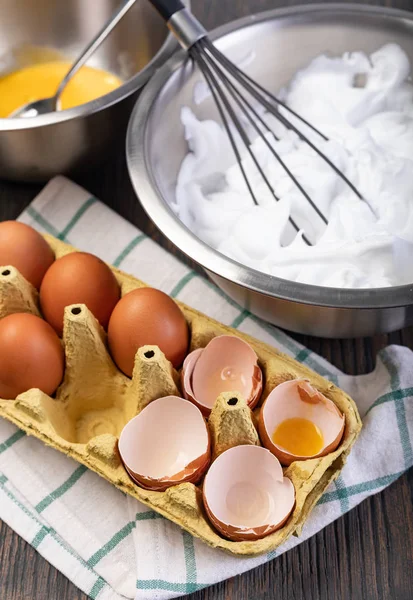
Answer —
364 106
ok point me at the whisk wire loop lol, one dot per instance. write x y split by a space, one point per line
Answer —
245 106
239 98
197 56
259 93
227 82
237 122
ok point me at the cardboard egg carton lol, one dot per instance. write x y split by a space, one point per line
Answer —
96 400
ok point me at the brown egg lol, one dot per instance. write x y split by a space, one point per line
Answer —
31 356
147 317
78 278
25 249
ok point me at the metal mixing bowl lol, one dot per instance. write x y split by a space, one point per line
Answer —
65 142
278 43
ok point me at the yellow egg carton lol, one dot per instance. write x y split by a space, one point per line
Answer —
95 401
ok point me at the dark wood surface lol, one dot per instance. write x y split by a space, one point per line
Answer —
366 555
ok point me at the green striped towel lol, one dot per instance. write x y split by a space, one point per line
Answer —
108 544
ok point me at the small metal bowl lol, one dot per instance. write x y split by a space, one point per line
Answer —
273 46
72 140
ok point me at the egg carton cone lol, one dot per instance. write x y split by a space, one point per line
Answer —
95 401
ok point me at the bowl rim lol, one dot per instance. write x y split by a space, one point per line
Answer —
136 82
211 260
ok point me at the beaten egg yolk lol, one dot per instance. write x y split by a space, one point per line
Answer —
42 80
298 436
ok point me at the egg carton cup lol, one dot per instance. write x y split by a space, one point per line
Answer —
95 401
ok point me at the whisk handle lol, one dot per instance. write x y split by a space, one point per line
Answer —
185 27
167 8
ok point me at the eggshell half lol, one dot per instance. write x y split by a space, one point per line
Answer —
166 444
245 494
187 372
298 398
202 371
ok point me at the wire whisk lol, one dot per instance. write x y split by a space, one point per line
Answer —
228 84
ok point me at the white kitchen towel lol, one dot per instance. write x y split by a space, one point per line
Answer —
111 546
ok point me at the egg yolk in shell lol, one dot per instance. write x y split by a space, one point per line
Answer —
42 80
298 436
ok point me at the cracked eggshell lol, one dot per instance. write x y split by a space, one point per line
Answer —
167 443
246 495
226 364
298 398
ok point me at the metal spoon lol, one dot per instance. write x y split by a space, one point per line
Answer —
48 105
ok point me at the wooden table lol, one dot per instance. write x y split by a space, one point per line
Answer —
366 555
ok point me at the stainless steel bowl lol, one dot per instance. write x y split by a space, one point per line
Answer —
71 140
282 42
